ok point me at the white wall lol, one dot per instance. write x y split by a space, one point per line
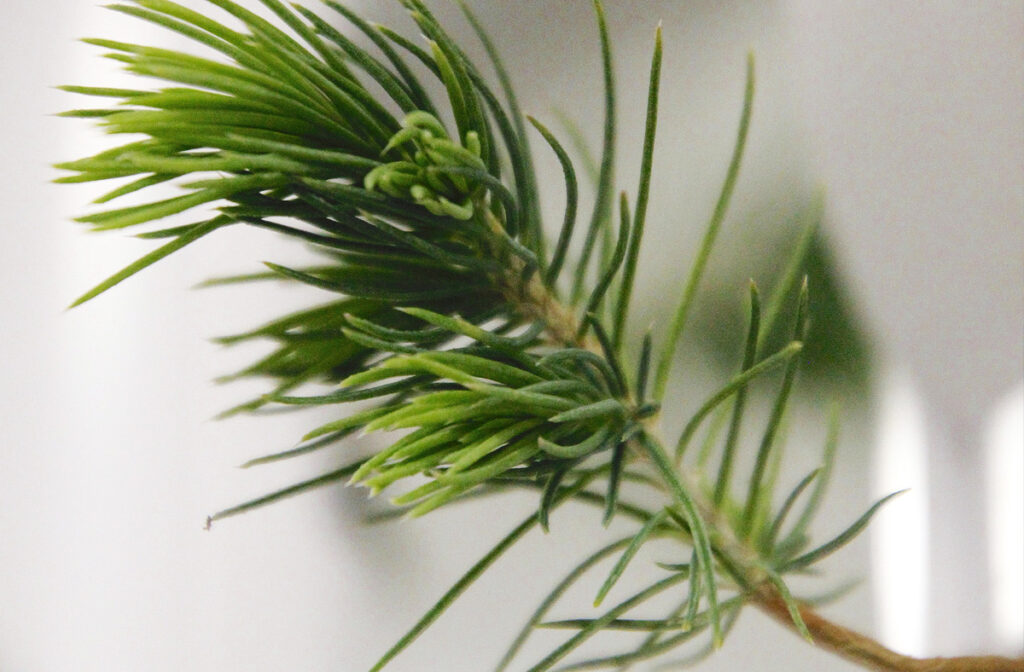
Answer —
910 114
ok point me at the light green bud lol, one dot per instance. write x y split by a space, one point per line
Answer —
424 121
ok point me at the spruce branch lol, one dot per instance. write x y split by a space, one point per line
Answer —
447 320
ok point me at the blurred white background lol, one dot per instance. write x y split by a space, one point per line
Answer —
910 113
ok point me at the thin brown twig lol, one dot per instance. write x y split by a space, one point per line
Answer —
867 652
534 300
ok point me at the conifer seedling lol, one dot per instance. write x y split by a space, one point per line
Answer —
492 348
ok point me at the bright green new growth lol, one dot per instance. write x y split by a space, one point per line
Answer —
434 171
445 318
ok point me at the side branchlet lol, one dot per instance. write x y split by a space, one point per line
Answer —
442 314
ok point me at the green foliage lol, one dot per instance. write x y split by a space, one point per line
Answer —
446 323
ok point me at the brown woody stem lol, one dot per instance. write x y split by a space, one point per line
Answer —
868 653
535 301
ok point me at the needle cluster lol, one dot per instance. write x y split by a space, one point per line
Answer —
449 315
